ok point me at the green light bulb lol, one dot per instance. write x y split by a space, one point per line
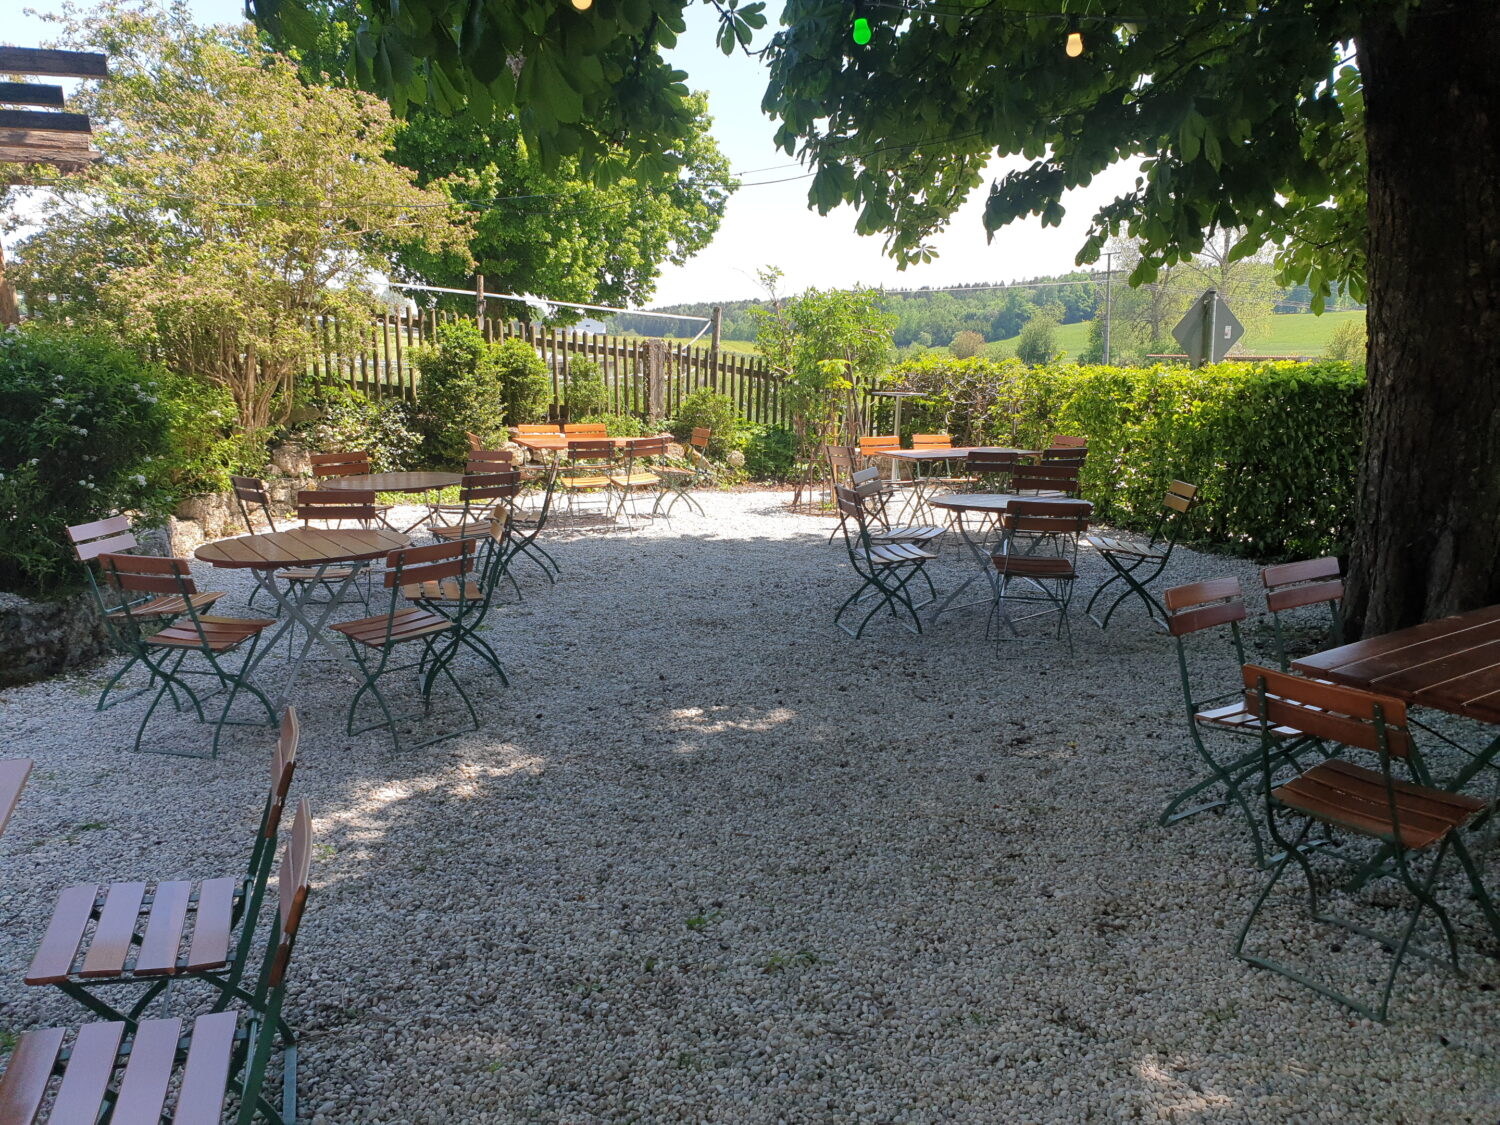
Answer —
861 31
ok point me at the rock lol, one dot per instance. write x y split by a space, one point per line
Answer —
41 638
291 459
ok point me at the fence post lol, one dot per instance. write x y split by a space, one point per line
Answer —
656 378
479 299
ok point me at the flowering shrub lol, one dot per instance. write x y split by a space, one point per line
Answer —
347 420
85 432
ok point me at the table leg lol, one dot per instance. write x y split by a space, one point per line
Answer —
980 551
295 604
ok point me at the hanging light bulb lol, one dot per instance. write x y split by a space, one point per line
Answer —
861 32
582 5
1075 43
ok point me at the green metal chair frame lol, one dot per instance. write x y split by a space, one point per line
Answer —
1191 610
165 651
1039 548
1294 585
1137 565
155 1070
678 482
591 463
480 493
466 600
113 535
1405 818
374 640
886 570
841 459
147 928
645 457
527 527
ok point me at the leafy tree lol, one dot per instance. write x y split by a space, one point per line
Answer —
1037 343
553 232
232 206
1347 343
587 85
1252 116
967 343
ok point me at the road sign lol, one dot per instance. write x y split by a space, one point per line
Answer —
1208 330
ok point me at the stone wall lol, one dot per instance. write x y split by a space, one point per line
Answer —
41 639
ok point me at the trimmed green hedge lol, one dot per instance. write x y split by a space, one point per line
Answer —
1273 446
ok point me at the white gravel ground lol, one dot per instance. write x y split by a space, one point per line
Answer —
708 860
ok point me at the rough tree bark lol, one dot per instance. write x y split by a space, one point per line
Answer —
1427 534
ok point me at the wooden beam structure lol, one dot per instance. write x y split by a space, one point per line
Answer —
44 120
31 93
52 64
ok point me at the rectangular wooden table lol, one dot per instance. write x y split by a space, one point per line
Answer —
1451 665
13 775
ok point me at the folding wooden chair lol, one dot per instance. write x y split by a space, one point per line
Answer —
527 527
886 570
336 506
1068 441
678 482
160 1070
465 599
481 495
375 641
1065 455
149 934
1409 820
1294 585
990 469
590 467
114 536
250 493
445 512
641 473
1039 550
355 464
585 430
947 478
875 495
1137 564
165 650
1193 610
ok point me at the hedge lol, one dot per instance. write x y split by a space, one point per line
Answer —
1273 446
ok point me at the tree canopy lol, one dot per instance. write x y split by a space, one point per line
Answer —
233 204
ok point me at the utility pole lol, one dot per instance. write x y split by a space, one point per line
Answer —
479 299
1109 273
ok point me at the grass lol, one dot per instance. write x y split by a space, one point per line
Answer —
1291 334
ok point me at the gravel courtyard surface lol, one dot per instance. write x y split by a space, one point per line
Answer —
709 860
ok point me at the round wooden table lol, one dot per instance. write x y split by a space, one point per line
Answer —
308 547
990 504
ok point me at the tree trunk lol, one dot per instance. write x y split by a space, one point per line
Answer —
1427 535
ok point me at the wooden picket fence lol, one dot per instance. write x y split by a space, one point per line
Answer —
375 357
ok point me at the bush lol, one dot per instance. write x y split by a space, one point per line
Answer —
1275 447
460 393
206 442
619 425
771 453
525 387
1035 344
348 420
718 413
84 433
586 392
967 343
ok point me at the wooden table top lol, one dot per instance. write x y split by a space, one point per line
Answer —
393 482
997 502
951 454
301 546
544 443
1452 664
13 775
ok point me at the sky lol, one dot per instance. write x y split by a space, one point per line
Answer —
769 223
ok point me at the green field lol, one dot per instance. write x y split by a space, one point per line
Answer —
1292 334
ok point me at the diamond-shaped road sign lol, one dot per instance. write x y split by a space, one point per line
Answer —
1208 330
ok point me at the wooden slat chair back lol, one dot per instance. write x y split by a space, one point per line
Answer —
150 934
878 443
1135 564
699 438
164 650
1396 816
537 429
337 506
840 462
886 568
1052 478
1296 585
113 536
482 495
1037 563
249 493
375 641
931 441
1065 455
489 460
353 464
586 430
159 1070
644 457
875 494
1069 441
1198 608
